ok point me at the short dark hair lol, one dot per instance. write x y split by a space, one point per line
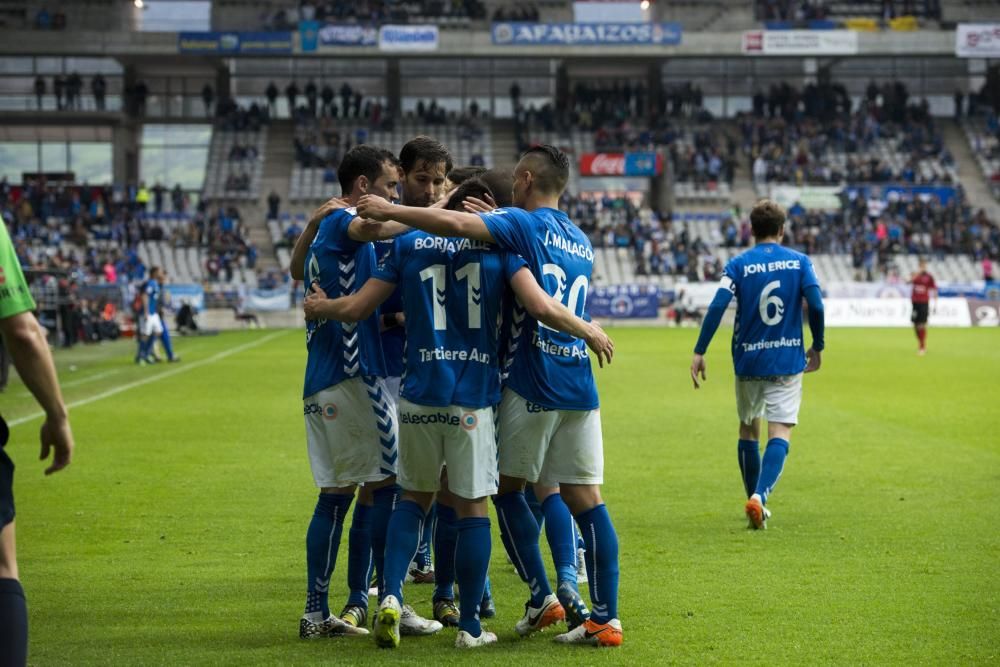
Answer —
473 187
766 219
362 160
424 149
501 184
460 175
551 167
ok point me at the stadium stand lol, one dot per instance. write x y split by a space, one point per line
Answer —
983 134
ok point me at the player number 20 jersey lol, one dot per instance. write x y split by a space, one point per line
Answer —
548 367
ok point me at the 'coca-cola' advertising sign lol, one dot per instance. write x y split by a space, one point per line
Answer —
620 164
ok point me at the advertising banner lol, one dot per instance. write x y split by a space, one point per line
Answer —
943 193
812 197
408 38
229 43
180 293
950 312
800 42
348 35
586 34
977 40
984 313
308 36
267 299
625 301
620 164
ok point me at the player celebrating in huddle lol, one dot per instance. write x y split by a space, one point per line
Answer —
550 425
350 417
924 288
769 282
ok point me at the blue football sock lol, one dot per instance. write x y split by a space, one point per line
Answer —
445 539
474 542
167 345
146 348
602 562
383 501
423 557
561 536
522 543
404 535
770 468
322 543
534 506
359 555
748 453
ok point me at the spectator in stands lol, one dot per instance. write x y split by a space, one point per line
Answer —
272 99
311 96
177 199
74 86
59 88
39 90
273 202
207 97
158 191
43 20
98 87
327 96
292 93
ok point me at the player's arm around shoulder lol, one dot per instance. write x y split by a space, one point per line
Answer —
555 315
437 221
297 266
364 229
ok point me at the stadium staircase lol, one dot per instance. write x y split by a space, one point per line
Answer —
976 183
504 143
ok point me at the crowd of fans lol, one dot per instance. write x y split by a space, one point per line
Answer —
810 10
68 91
871 231
791 136
378 12
90 235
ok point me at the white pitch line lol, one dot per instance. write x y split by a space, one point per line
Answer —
139 383
74 383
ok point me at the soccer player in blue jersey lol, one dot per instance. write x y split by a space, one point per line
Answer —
549 421
152 323
350 419
769 283
452 297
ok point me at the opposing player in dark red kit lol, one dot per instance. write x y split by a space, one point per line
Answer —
923 287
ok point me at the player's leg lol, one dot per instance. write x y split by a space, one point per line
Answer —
560 532
576 461
422 567
748 454
535 505
782 400
13 607
445 538
168 346
523 441
382 461
359 560
750 408
471 457
405 525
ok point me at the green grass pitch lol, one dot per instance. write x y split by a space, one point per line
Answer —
177 535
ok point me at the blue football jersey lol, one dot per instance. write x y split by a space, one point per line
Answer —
338 351
452 294
394 339
768 282
547 367
153 292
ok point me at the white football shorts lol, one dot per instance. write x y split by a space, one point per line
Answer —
464 439
549 446
152 325
775 398
352 433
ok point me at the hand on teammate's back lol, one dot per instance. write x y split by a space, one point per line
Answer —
601 344
312 302
813 360
698 367
375 208
56 435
